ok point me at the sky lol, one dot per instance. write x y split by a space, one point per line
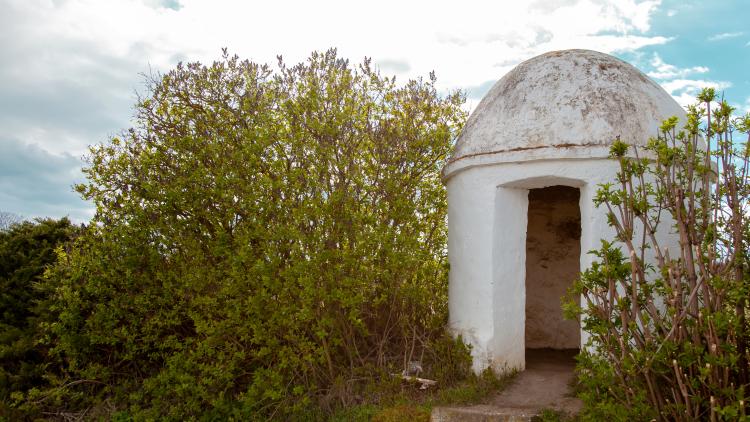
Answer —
70 69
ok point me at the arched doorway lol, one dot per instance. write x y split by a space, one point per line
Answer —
553 251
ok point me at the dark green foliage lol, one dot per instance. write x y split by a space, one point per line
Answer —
605 396
26 249
402 413
448 360
474 389
551 415
406 401
266 245
668 320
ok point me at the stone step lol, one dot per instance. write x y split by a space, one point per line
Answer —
482 413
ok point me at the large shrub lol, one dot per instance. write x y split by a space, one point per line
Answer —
27 248
264 242
669 338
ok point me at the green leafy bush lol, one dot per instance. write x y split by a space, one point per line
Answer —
26 249
265 244
669 336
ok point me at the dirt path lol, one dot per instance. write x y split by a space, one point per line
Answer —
545 384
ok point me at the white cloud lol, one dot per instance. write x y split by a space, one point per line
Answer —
101 46
677 81
744 108
678 85
37 183
725 35
684 91
667 71
482 33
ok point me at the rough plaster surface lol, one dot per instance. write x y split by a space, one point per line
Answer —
553 252
563 103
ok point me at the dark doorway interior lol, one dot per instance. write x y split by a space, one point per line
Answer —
553 250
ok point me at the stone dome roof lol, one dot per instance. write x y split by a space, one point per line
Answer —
562 104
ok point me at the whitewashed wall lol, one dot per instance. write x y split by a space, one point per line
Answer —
487 218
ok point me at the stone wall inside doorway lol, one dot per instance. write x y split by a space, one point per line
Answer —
553 251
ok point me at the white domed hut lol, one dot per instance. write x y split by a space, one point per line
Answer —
521 183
